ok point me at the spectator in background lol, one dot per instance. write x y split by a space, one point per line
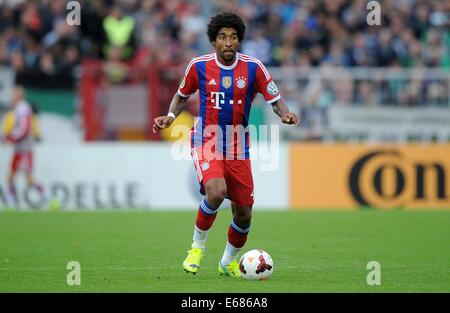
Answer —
17 61
71 58
289 27
47 64
91 29
258 46
366 94
192 22
413 57
192 26
419 19
115 68
336 54
434 54
358 53
32 52
384 53
435 94
32 21
304 34
61 33
119 29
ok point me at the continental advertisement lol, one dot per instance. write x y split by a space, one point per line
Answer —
349 177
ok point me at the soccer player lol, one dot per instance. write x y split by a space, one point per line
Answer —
227 82
24 132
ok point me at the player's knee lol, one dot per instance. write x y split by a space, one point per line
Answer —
216 193
243 216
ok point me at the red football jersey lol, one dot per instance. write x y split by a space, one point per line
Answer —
226 94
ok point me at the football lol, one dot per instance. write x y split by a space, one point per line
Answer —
256 264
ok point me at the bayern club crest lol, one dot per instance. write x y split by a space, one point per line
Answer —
240 82
205 165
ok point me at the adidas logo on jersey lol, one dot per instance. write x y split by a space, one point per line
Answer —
212 82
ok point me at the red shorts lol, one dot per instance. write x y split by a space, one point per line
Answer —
237 174
22 161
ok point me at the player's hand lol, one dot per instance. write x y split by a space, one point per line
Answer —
161 122
290 118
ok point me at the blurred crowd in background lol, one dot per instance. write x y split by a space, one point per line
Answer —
43 48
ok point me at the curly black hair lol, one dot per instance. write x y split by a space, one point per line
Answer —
225 19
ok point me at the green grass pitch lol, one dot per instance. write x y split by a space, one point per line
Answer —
143 251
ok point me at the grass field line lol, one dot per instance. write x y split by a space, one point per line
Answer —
86 268
177 267
311 251
50 268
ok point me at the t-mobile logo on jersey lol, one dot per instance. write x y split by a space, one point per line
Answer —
218 98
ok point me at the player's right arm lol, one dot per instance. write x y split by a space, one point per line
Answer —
188 86
176 107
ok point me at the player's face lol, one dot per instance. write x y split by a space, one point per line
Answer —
226 44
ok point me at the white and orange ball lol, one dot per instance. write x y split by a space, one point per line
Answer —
256 264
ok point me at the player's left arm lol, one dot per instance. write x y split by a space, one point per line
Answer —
281 109
267 87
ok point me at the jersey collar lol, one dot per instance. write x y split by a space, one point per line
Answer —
227 67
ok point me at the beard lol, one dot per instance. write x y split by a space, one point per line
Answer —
228 55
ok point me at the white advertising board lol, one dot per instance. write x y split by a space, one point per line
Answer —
391 122
104 176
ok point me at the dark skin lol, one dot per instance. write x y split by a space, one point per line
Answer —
226 46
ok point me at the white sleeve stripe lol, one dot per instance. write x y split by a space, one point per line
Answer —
183 95
195 60
263 68
197 166
266 72
273 100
